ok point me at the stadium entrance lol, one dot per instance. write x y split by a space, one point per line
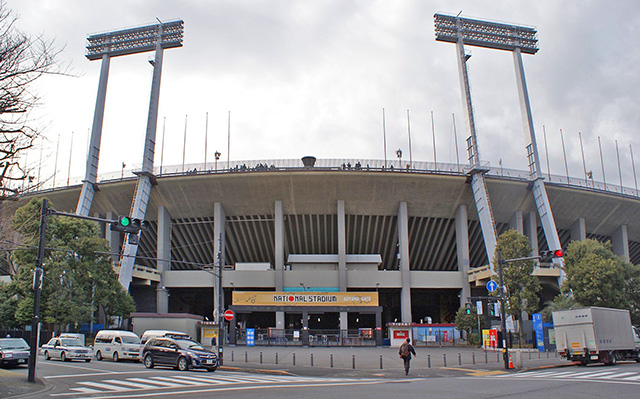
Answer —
312 319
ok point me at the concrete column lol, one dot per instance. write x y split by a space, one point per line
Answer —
219 222
279 261
531 230
579 230
405 269
462 250
620 241
342 260
164 256
516 222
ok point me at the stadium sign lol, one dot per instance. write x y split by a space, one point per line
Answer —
270 298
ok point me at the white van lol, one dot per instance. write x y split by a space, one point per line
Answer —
116 345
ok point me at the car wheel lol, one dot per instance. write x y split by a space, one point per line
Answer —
46 355
87 360
99 356
63 357
183 364
211 369
148 361
116 358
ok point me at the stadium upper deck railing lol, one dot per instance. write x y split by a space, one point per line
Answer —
347 165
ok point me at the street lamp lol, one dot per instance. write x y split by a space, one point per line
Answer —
217 155
399 155
304 288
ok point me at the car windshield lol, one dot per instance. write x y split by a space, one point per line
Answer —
188 344
71 342
13 343
130 340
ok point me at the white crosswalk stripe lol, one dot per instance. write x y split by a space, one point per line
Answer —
613 374
132 384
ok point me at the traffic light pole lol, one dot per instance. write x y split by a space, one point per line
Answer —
503 313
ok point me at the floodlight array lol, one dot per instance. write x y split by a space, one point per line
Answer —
486 34
135 40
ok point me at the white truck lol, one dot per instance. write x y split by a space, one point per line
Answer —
596 334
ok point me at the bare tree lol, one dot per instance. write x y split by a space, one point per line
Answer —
23 59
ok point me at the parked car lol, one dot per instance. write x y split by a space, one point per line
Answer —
66 349
13 351
148 334
182 354
116 345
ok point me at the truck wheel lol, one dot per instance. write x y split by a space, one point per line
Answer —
612 359
116 357
99 356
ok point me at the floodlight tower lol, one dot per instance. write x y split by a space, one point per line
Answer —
103 46
518 40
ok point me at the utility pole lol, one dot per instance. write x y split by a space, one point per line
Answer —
220 297
37 288
503 313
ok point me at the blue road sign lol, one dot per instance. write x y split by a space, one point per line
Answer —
251 336
492 286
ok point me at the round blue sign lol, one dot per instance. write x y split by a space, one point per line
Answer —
492 286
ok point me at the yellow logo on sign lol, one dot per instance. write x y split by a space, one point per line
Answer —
575 345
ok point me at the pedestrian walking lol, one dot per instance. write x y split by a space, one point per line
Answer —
405 351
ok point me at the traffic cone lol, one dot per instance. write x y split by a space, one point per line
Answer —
510 362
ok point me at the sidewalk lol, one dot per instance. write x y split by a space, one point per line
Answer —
384 362
15 385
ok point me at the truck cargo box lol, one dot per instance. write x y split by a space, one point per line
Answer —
593 328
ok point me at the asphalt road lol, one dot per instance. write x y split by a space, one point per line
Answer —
132 380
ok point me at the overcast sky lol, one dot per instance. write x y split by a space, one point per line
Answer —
312 77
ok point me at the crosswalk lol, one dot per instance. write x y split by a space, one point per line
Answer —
188 380
598 374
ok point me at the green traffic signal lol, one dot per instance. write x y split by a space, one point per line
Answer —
124 221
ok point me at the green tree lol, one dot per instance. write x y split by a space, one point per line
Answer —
521 286
595 276
78 276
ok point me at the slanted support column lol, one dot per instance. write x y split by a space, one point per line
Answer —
219 223
164 256
462 250
620 241
279 254
405 269
531 230
516 223
579 230
342 259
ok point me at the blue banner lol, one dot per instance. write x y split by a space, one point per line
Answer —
251 337
537 328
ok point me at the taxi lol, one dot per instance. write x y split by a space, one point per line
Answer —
66 349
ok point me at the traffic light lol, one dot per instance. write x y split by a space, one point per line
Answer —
125 224
467 308
492 309
548 256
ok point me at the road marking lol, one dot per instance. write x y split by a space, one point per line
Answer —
100 373
133 385
609 376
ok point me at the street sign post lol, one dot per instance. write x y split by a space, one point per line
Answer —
492 286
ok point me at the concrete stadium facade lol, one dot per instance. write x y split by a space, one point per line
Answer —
411 234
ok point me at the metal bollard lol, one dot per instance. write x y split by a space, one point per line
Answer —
428 361
260 357
538 354
473 357
231 355
353 361
294 358
459 359
276 357
547 354
486 358
444 356
498 356
380 362
331 360
312 360
529 355
245 356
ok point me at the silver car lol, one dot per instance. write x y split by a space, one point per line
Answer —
66 349
13 351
